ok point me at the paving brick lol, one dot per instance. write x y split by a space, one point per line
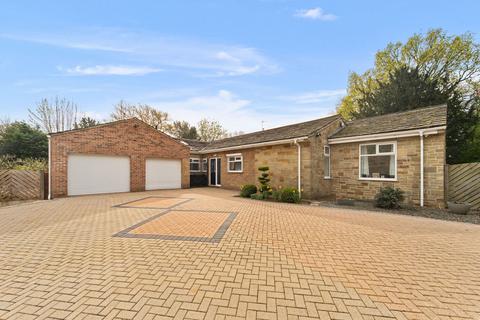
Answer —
59 260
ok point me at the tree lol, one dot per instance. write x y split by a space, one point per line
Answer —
452 61
4 123
24 141
209 130
86 122
158 119
183 129
59 115
463 122
406 89
426 70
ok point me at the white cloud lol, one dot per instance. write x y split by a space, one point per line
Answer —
196 57
237 114
315 14
111 70
319 96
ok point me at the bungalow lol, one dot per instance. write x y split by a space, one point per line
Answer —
322 157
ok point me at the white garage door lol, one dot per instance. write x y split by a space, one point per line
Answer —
89 174
163 174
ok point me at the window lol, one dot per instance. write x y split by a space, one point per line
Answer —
194 165
235 162
378 161
326 162
204 165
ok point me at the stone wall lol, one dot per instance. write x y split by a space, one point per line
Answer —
345 171
131 137
321 187
283 163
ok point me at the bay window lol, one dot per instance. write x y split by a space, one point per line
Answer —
378 161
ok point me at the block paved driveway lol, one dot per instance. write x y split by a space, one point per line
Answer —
60 260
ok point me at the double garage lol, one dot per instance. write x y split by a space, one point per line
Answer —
121 156
91 174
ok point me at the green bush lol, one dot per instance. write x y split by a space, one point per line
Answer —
264 180
389 198
276 194
257 196
290 195
247 190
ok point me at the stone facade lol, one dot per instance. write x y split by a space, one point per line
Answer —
131 138
321 186
281 159
345 171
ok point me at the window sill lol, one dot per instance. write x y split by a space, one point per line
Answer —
327 178
378 179
234 171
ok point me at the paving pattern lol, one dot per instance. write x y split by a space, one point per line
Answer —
60 260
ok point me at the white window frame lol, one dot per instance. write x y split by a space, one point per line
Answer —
377 144
234 155
202 167
199 164
329 175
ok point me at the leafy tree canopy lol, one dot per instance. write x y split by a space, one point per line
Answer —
183 129
209 130
23 141
427 70
452 62
86 122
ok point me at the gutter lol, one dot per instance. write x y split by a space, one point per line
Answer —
421 133
49 167
299 166
253 145
387 135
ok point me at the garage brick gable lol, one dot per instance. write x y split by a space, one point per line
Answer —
130 137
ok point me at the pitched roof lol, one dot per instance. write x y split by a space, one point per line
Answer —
195 145
286 132
400 121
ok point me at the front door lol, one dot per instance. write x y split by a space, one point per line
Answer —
215 171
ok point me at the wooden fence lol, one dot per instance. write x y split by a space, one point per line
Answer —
464 183
22 184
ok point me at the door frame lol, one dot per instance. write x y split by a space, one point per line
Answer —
217 173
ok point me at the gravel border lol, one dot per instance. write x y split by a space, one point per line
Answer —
472 217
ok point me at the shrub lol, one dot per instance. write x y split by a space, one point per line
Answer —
247 190
9 162
389 198
257 196
276 194
290 195
264 180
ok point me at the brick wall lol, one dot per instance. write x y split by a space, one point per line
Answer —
234 180
345 167
131 138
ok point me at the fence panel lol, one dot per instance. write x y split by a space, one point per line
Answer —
464 183
22 184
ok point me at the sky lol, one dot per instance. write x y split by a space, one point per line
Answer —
239 62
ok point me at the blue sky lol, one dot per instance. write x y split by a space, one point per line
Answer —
239 62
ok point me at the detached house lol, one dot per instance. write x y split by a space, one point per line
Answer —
322 157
